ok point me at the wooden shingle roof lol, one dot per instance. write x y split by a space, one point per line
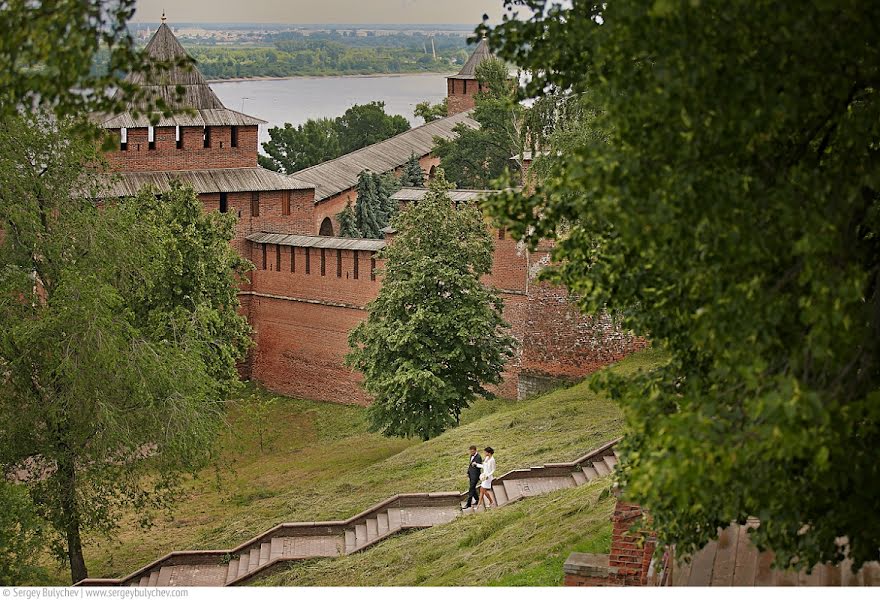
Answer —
314 241
207 181
469 70
410 194
198 99
334 176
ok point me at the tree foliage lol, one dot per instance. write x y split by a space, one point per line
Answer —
434 336
411 174
348 222
373 210
47 51
291 149
431 112
21 536
365 124
367 208
476 158
119 336
727 202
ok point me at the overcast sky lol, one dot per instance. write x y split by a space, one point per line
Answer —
468 12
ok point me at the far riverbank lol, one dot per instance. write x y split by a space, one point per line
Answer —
347 75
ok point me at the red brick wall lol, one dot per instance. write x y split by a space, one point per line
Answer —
631 553
561 341
300 349
459 99
193 156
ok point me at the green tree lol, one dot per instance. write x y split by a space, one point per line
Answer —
365 124
412 174
431 112
47 51
476 158
348 222
21 536
291 149
728 205
118 336
367 207
387 184
435 335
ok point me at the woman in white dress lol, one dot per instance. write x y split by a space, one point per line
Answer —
487 497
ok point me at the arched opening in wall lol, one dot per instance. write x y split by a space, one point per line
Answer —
326 227
432 172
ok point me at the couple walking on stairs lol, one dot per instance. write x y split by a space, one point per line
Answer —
481 472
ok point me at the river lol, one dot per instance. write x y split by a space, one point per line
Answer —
298 99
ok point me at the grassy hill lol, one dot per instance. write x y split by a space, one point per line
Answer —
319 462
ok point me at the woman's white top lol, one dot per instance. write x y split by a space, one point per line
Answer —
488 467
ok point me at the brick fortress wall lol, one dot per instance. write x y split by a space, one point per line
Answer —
301 319
165 155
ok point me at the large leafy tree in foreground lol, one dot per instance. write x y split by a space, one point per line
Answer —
434 336
730 209
118 336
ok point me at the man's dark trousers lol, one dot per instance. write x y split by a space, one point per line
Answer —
474 478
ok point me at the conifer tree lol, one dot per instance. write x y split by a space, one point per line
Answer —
366 209
348 222
386 186
435 335
412 175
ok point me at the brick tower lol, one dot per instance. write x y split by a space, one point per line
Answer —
461 88
203 144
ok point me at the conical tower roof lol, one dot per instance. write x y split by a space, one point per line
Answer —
481 53
164 47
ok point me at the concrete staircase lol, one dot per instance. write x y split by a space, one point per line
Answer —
298 541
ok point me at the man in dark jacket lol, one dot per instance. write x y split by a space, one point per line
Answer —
473 476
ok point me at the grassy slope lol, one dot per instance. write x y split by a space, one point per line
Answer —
320 463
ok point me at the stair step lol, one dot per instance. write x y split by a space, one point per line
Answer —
500 494
144 580
243 561
590 473
232 570
350 541
372 529
276 549
360 534
254 560
579 477
154 578
164 576
382 519
394 519
601 468
265 551
611 461
512 491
